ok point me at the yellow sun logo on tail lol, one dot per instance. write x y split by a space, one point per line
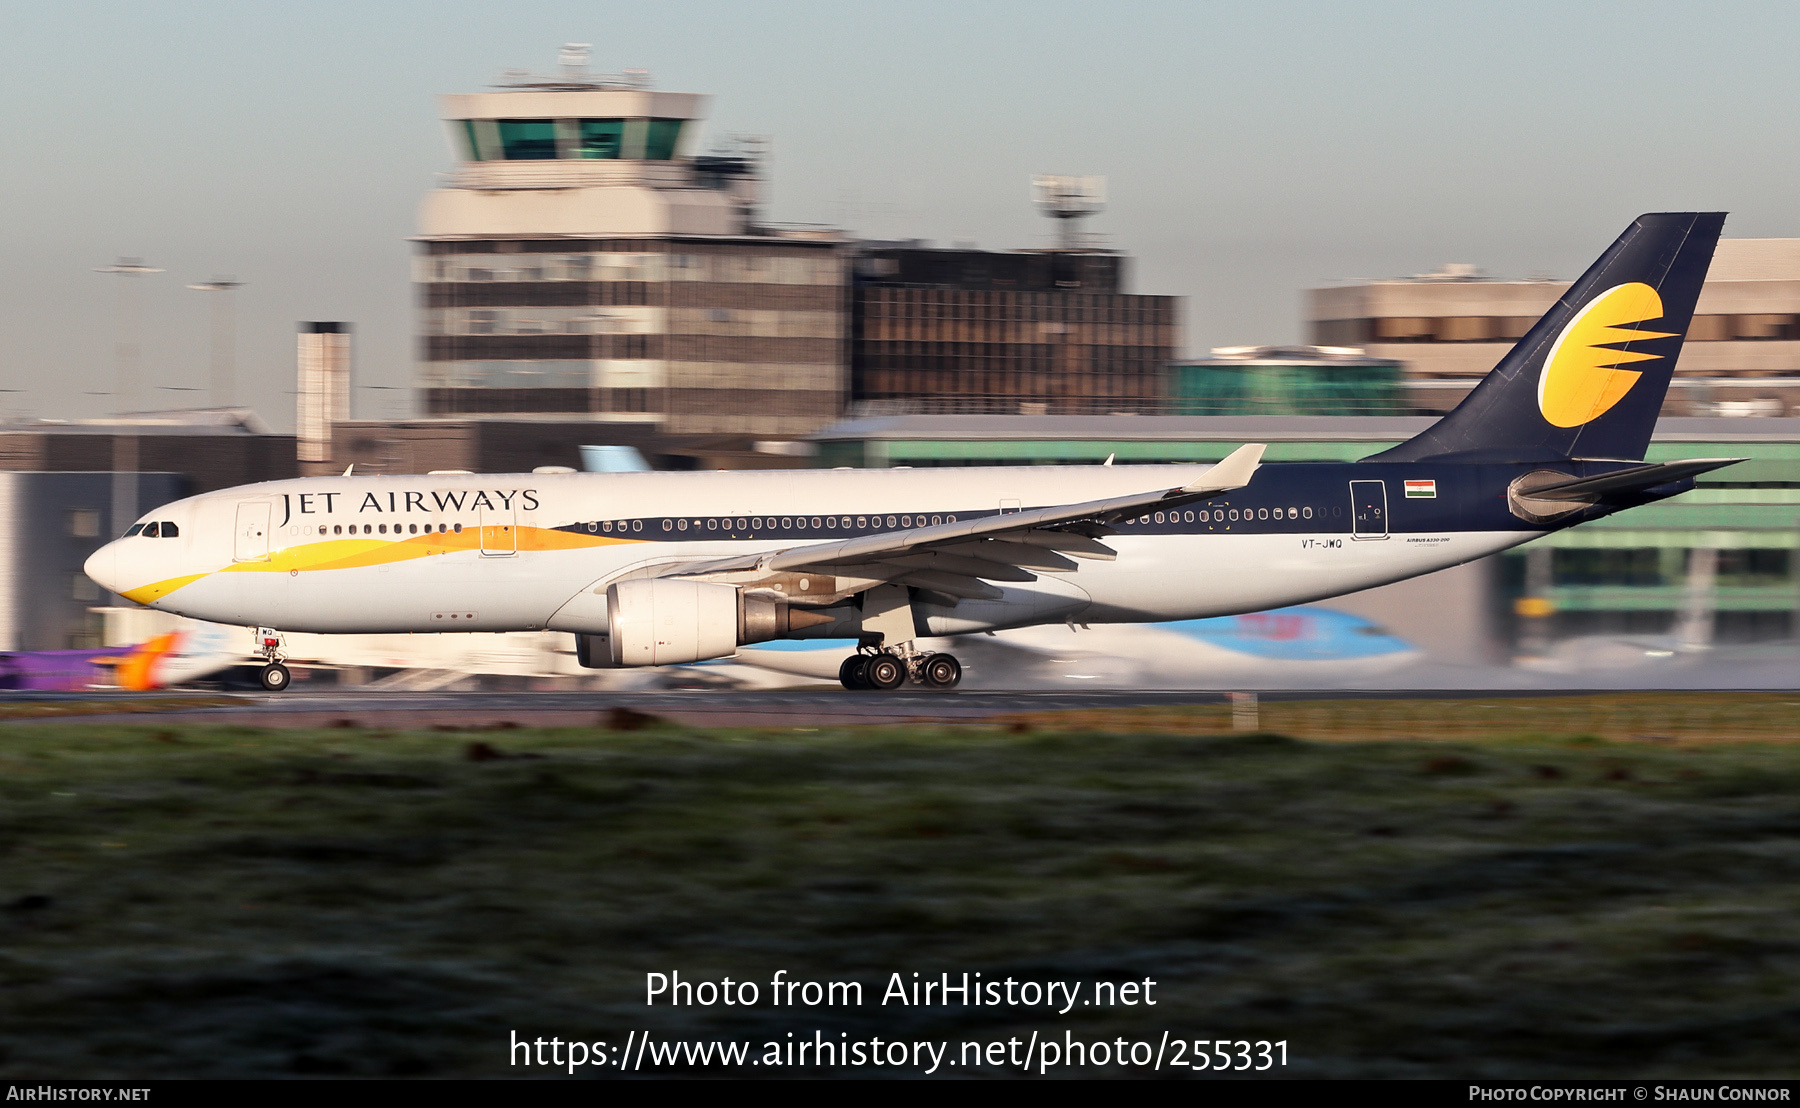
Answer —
1582 379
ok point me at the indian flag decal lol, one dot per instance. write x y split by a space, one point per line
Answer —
1426 489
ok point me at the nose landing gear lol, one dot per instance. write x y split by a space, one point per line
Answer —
887 670
274 676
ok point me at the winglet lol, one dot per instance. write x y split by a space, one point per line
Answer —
1232 473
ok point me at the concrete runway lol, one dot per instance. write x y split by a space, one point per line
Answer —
702 708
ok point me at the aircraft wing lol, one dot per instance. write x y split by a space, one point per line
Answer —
957 559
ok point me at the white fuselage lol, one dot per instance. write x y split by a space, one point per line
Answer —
515 552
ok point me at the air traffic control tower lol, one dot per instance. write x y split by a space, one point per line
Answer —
582 263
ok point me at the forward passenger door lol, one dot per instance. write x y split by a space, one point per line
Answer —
250 542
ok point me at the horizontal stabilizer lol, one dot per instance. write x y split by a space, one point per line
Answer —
1629 480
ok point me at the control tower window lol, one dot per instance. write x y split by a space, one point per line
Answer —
659 141
472 144
528 139
516 140
649 139
602 138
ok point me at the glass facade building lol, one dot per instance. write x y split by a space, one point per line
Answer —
1305 381
980 331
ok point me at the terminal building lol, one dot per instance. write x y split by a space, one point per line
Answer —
582 263
211 448
1448 328
61 498
53 522
1023 331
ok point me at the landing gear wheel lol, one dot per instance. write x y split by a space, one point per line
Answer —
853 674
275 677
885 672
941 671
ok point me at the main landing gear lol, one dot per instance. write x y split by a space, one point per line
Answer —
274 676
886 670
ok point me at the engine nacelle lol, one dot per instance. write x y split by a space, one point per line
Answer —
663 621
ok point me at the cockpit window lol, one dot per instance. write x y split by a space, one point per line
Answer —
150 530
135 528
169 530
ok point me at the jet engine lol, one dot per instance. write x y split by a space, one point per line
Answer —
663 621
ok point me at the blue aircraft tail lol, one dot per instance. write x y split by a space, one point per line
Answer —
1588 379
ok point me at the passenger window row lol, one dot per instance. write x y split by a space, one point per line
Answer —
1222 515
802 523
162 529
382 528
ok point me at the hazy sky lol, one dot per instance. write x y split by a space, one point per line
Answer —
1252 149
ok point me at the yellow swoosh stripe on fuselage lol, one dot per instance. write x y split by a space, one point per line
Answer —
360 552
144 594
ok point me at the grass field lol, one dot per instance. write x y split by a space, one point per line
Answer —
1498 897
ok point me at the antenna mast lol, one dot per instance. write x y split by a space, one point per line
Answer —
1067 199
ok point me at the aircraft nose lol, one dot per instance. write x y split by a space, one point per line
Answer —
103 566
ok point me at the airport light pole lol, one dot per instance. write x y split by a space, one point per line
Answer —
126 358
128 321
224 339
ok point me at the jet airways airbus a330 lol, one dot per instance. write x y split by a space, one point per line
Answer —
657 568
